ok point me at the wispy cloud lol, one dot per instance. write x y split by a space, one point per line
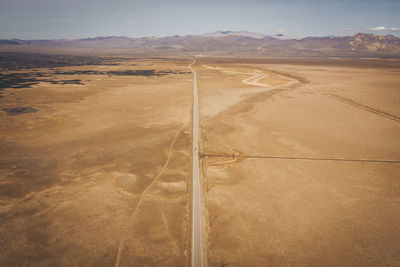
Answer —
383 28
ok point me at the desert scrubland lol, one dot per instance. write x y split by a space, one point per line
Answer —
279 212
95 162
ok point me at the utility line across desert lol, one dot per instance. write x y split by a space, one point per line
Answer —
378 112
301 158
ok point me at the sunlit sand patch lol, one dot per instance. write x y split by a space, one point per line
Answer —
174 187
125 180
219 173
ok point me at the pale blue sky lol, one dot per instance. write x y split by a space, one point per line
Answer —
43 19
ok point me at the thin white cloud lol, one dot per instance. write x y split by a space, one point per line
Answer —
383 28
378 28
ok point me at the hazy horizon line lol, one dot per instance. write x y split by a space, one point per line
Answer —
199 34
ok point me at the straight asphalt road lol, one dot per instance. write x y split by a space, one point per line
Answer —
196 204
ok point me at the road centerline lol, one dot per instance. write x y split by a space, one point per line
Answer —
196 201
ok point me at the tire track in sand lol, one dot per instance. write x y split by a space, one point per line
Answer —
253 80
143 195
370 109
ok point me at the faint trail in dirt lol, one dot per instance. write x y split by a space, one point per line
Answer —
222 162
175 248
254 80
143 195
234 159
378 112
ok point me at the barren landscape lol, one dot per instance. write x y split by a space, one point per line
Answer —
86 166
212 133
299 161
286 171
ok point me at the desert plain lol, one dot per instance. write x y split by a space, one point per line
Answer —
299 162
87 166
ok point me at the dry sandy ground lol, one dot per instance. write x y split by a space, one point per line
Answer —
273 212
100 174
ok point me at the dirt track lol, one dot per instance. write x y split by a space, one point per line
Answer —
381 113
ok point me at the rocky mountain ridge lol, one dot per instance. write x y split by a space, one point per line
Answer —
224 42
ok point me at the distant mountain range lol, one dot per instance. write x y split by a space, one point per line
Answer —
236 43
